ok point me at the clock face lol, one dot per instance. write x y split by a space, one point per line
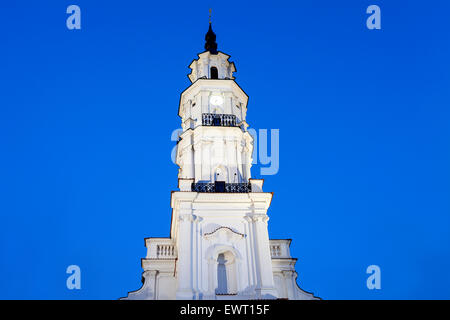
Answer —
216 100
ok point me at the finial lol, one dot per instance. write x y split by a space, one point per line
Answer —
210 38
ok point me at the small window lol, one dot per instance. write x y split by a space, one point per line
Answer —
214 73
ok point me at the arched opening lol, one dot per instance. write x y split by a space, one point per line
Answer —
221 275
226 273
220 178
219 174
214 73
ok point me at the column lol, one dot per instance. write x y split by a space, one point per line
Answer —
265 287
197 257
189 163
212 279
197 161
240 164
252 279
184 263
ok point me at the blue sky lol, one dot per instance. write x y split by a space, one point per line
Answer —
86 117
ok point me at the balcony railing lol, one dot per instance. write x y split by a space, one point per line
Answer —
275 250
165 251
218 120
222 187
160 248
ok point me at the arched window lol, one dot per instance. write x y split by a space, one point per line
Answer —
221 275
226 273
220 173
214 73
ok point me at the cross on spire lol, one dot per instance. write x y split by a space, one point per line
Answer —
210 38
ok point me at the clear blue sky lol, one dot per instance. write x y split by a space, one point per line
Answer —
86 118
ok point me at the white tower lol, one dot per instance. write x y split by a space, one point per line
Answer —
219 245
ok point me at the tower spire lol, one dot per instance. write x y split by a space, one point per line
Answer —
210 38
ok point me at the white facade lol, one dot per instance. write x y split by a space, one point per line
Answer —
219 246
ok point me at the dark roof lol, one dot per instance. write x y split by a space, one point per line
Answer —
210 39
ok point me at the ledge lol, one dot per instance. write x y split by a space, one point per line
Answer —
257 184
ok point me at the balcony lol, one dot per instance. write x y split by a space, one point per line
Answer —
279 248
161 256
160 248
218 120
221 187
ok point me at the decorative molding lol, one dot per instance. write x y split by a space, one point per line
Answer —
224 235
238 233
187 217
260 217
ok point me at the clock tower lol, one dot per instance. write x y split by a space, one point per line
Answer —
219 246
